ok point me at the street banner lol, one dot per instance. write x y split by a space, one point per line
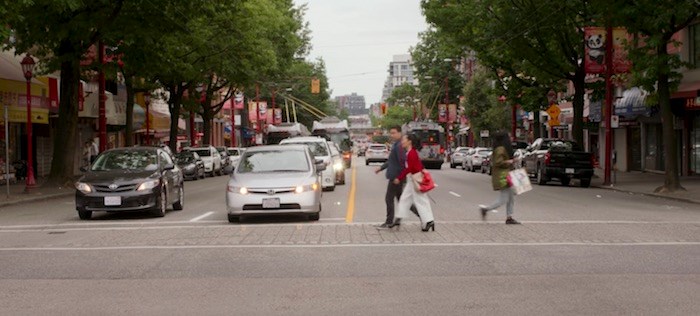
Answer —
442 113
621 62
278 116
452 113
238 101
252 112
270 117
263 111
594 61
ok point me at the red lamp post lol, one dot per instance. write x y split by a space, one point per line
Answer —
147 100
28 70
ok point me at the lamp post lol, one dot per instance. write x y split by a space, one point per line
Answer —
193 128
147 100
28 70
102 117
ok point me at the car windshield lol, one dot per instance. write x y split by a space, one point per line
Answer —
378 147
484 152
203 152
137 160
233 152
185 157
463 151
273 161
319 149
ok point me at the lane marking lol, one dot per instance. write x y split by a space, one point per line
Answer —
201 216
455 194
350 213
458 244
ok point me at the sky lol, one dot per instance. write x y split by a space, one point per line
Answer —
357 39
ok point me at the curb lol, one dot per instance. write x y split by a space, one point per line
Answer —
673 198
36 199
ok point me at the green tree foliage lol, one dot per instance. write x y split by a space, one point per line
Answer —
482 106
396 116
404 95
655 69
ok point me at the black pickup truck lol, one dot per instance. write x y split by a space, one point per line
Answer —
548 159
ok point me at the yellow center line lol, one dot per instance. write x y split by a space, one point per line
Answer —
351 197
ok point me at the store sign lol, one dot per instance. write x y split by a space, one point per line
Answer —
692 103
19 115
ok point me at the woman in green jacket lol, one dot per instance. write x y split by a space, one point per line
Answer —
501 164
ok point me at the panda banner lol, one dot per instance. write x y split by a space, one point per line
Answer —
595 50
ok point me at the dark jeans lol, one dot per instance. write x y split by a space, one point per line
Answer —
393 192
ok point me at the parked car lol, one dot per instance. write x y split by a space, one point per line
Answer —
473 161
129 180
275 179
211 158
234 154
518 158
191 164
486 164
320 149
376 153
338 164
458 156
548 159
226 165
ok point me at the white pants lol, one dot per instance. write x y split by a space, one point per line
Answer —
412 197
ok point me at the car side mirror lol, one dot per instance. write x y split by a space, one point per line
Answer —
320 165
169 167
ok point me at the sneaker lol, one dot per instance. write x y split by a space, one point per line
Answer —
511 221
483 210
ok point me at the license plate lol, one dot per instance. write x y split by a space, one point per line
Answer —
569 170
113 200
271 203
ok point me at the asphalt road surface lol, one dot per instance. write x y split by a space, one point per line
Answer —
579 251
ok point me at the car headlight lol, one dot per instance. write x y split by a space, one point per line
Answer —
338 166
239 190
148 185
306 188
83 187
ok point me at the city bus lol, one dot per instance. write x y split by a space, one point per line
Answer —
432 137
276 133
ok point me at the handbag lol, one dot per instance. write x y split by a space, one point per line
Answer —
519 181
423 181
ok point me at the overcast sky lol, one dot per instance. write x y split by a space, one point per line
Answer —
357 39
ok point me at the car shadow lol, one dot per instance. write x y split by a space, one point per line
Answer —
276 219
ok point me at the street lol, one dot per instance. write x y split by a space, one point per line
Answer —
579 251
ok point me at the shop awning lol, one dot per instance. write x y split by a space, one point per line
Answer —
116 113
688 90
159 120
632 104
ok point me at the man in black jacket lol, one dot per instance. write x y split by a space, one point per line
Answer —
393 166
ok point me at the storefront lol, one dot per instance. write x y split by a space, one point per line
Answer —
686 106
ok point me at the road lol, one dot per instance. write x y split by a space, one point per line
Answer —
579 251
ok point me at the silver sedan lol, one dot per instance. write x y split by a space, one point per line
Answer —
275 180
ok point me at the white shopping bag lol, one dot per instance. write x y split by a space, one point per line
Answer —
519 181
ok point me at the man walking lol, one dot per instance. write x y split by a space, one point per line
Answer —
393 166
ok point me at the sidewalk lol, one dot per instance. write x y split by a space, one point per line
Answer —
39 193
645 183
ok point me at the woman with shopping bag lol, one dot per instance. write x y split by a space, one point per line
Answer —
501 164
412 193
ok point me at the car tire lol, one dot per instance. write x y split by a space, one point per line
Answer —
85 215
586 183
565 181
331 189
162 206
541 180
453 166
233 218
464 167
180 204
366 162
315 216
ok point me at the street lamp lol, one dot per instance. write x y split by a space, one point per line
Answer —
147 100
28 70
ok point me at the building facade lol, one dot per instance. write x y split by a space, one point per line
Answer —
354 103
400 72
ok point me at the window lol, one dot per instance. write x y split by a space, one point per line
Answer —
274 161
694 39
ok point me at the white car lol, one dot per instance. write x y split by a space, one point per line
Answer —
211 158
473 161
275 179
376 153
338 163
458 156
234 154
320 149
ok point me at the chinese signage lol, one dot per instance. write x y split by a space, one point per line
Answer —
595 50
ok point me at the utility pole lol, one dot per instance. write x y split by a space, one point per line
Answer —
608 103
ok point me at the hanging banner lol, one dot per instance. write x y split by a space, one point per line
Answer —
442 113
262 108
278 116
452 113
594 60
238 101
252 112
621 62
270 117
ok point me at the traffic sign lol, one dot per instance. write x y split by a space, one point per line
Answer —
553 122
554 111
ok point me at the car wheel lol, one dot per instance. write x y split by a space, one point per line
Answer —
180 204
233 218
585 183
162 206
331 189
541 180
453 166
315 216
565 181
464 167
85 215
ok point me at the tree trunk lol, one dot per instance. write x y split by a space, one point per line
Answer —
672 182
207 116
129 131
579 93
537 125
174 104
64 147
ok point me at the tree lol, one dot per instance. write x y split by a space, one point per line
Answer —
482 106
396 116
655 69
539 39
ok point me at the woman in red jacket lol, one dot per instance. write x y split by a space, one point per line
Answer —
411 195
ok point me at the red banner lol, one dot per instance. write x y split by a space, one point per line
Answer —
452 113
238 101
442 113
270 117
621 62
595 50
278 116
